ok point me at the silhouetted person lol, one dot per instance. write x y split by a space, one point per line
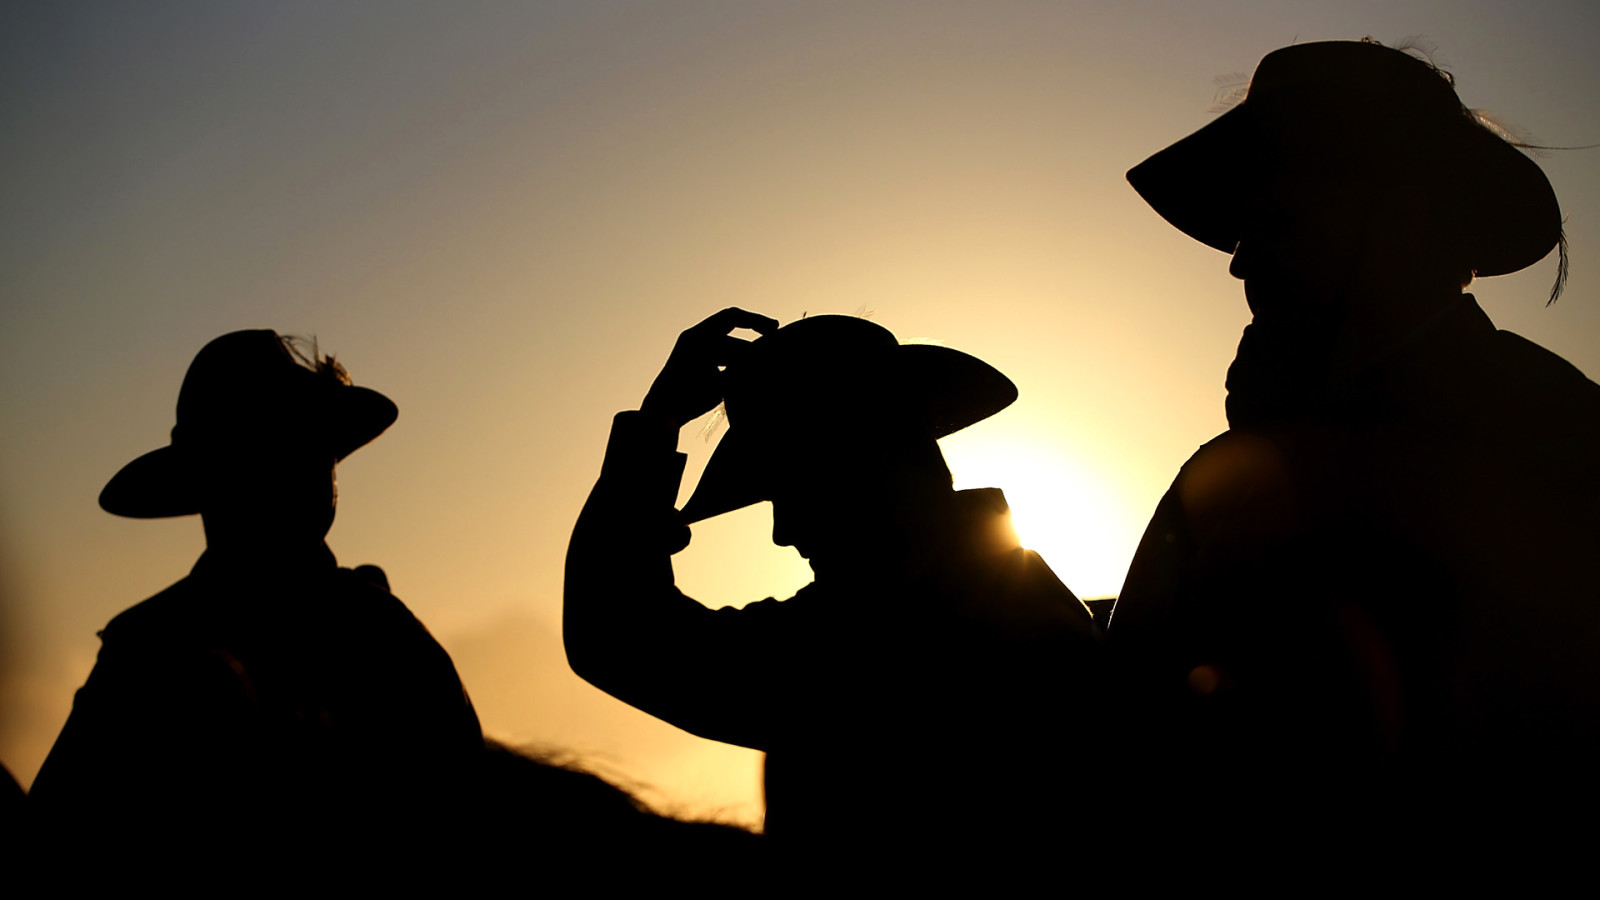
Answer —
926 698
1370 607
270 711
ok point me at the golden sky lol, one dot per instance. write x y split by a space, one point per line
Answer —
501 215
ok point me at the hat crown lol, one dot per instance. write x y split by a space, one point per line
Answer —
1312 75
242 382
818 360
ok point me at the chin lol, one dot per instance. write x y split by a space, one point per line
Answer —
1267 299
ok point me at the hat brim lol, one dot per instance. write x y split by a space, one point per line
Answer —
1207 184
731 480
154 486
161 483
1197 184
959 390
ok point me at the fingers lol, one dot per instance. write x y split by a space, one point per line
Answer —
693 370
711 342
733 317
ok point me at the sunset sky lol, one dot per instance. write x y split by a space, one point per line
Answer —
502 214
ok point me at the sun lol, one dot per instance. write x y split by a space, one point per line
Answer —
1060 509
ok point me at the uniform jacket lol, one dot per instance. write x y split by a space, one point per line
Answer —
249 699
1385 601
938 695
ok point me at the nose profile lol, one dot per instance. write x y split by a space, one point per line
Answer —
1238 265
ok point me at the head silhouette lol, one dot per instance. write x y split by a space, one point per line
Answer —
258 435
836 423
1350 184
856 486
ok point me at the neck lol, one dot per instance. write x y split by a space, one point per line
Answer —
896 538
1381 321
262 566
261 540
1286 370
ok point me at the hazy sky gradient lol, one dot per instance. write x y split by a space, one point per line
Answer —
501 214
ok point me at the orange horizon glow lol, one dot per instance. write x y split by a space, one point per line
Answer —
502 215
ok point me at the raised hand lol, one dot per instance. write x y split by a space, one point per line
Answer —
690 384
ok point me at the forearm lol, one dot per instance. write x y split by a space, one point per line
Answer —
628 630
625 623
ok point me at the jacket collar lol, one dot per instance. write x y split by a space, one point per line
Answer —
314 561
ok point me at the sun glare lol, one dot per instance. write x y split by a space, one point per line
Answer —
1073 520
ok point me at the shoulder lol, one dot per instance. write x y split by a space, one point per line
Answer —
169 656
1544 401
162 616
379 632
1242 474
367 585
364 599
1038 597
1538 439
1532 368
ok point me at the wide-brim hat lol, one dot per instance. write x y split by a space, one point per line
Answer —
1377 110
241 387
837 362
